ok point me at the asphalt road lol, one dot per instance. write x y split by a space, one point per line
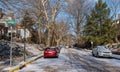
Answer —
90 64
71 60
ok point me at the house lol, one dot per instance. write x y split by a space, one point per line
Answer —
17 30
3 25
22 33
5 30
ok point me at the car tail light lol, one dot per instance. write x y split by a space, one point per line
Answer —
54 51
46 52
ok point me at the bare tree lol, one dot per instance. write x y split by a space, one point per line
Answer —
11 5
16 7
50 15
77 10
61 32
114 6
37 11
45 13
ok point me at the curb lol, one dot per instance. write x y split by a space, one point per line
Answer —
24 64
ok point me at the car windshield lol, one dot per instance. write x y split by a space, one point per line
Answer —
103 48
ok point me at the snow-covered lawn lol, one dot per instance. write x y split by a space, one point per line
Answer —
31 48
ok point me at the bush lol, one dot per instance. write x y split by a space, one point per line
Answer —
86 45
117 51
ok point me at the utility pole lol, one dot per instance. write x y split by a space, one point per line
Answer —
24 44
11 47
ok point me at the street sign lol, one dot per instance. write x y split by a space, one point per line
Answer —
11 22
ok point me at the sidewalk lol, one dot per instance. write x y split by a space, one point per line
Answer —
21 65
116 56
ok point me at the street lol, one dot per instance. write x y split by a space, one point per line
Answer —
82 35
72 60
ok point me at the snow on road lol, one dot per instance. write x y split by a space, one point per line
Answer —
112 61
61 64
72 60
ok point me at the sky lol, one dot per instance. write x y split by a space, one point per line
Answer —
62 15
93 0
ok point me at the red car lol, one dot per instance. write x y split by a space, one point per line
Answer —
50 52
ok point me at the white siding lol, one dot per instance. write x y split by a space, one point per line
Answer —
27 34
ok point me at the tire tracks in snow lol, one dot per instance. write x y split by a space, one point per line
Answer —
90 64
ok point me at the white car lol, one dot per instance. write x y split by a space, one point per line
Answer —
101 51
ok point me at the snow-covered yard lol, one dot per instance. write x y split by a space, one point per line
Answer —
30 48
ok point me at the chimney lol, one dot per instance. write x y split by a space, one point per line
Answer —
0 11
118 16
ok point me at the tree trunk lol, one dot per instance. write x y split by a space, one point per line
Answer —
48 38
39 37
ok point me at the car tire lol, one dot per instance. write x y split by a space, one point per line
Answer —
93 54
97 55
44 57
56 56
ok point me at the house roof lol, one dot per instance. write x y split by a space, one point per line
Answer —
1 15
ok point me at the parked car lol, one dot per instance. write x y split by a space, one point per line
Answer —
57 49
70 46
67 47
101 51
50 52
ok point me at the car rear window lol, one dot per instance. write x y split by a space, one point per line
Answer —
50 49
